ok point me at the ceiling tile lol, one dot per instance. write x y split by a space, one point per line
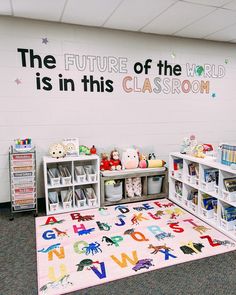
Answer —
42 9
224 35
89 12
177 17
5 7
216 3
217 20
134 14
231 5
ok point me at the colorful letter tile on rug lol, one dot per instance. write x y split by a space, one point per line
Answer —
82 249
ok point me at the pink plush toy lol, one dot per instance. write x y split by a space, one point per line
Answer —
130 159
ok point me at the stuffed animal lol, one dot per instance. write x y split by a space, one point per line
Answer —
151 163
105 163
198 151
57 151
130 159
84 150
142 157
152 156
115 162
184 148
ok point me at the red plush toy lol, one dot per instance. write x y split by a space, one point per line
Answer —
105 163
115 162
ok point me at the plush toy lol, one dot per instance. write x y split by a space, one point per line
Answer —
151 163
105 163
152 156
130 159
57 151
115 162
198 151
84 150
93 150
110 182
142 157
184 148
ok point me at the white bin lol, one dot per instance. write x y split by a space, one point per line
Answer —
154 184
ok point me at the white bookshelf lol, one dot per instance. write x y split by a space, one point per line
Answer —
71 183
190 183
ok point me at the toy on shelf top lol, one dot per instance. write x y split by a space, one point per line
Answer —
93 150
115 160
57 150
191 147
84 150
71 146
130 159
23 145
105 163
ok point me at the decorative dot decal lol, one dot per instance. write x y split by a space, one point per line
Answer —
199 70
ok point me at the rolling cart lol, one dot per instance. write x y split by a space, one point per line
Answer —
22 170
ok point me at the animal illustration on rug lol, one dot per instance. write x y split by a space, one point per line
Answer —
52 222
224 243
143 263
85 217
92 248
86 231
164 235
60 234
159 213
134 220
158 248
50 248
86 263
129 231
191 248
201 229
168 205
57 283
108 241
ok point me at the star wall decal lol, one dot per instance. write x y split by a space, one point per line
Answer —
45 40
18 81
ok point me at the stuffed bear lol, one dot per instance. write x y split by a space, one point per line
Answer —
105 163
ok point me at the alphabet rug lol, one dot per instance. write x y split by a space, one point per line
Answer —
86 248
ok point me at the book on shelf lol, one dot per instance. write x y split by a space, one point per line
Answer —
178 187
207 201
230 184
178 164
228 213
211 175
192 194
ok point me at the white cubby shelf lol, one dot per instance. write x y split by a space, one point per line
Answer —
70 184
191 191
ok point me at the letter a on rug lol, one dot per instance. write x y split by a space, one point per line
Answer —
87 248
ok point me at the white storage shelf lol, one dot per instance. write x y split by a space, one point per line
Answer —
197 185
60 186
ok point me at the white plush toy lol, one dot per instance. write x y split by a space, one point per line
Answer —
57 150
130 159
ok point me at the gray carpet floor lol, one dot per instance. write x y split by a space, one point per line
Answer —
212 275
